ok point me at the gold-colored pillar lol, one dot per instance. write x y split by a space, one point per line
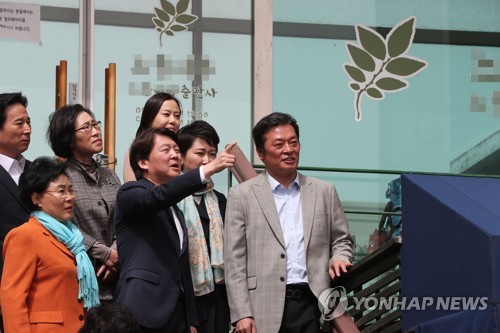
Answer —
110 116
61 83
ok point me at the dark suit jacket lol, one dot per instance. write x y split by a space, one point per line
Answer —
14 212
154 271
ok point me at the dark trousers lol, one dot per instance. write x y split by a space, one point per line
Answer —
213 311
301 313
176 324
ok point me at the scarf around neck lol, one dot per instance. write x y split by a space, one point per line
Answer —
200 263
69 234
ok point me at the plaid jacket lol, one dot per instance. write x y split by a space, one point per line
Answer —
94 211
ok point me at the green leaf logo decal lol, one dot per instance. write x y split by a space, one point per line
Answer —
162 15
380 65
159 23
405 66
182 6
372 42
361 58
355 86
355 73
178 27
167 7
375 93
186 18
400 37
391 84
170 19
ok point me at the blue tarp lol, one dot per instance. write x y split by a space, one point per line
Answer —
451 248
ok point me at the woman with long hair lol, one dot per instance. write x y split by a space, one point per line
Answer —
161 110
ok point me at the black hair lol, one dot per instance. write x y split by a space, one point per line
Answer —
151 109
37 177
61 131
10 99
110 318
143 144
272 120
198 129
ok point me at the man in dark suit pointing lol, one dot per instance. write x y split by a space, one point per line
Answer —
155 279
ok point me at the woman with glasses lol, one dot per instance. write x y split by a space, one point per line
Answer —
48 279
75 135
161 110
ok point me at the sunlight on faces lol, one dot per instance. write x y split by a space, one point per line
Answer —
168 117
16 131
164 161
281 152
200 153
57 200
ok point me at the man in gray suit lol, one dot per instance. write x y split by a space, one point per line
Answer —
286 236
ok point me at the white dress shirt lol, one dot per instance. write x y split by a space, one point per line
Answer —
289 210
178 226
13 166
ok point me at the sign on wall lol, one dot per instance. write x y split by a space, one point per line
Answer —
20 21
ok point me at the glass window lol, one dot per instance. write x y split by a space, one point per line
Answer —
31 67
446 120
208 67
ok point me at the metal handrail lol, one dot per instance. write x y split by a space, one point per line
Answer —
371 212
375 171
390 172
371 171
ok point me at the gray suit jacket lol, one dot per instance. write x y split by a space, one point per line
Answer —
255 255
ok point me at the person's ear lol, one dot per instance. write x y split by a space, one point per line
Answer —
143 164
35 198
260 152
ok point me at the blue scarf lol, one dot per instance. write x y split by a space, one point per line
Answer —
69 234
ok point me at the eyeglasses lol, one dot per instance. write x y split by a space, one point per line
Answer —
61 193
88 127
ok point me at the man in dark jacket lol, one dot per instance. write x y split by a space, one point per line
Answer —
155 279
15 132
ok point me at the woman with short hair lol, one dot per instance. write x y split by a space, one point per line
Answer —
204 214
48 278
74 134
